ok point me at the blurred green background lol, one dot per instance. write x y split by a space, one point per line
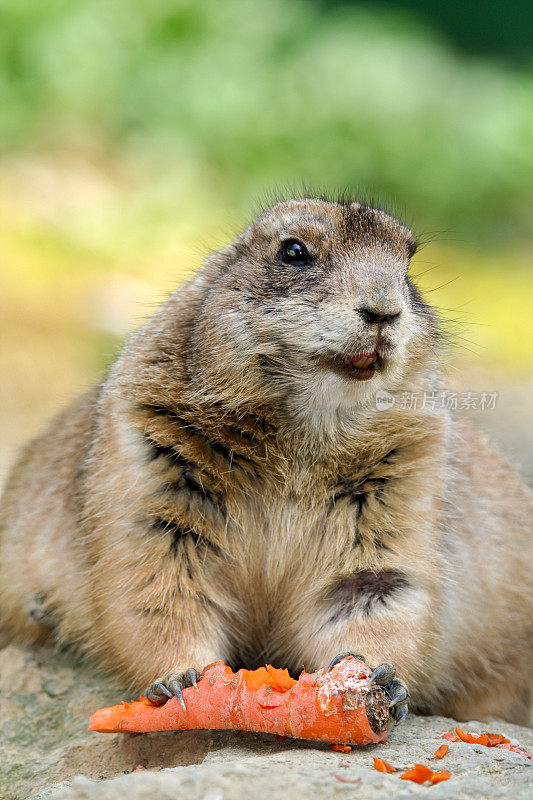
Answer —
136 135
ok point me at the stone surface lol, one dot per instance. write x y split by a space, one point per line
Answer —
48 754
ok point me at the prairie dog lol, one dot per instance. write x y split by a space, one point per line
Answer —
230 490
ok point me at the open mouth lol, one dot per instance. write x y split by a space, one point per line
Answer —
360 366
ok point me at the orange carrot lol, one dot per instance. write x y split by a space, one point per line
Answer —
383 766
437 777
421 774
514 748
485 739
338 706
475 738
442 750
449 736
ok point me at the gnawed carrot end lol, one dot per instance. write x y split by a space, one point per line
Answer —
383 766
442 750
278 679
225 667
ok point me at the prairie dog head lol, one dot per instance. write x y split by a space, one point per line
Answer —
312 305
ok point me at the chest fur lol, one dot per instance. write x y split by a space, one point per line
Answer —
279 518
329 523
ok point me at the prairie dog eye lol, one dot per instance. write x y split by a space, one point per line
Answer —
294 252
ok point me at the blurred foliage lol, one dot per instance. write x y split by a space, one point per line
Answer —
200 104
505 29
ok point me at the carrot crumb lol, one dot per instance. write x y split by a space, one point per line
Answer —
420 774
340 748
383 766
485 739
441 752
437 777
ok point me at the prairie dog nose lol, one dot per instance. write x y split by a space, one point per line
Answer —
375 316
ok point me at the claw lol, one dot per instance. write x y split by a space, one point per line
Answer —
181 700
162 689
172 686
383 674
158 694
400 697
192 676
344 655
401 714
175 685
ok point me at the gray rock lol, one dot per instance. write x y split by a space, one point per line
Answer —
48 754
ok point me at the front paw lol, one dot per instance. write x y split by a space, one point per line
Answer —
172 686
385 675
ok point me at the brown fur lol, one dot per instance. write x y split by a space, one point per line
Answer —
226 493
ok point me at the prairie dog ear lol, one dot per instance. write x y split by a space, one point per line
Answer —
223 257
